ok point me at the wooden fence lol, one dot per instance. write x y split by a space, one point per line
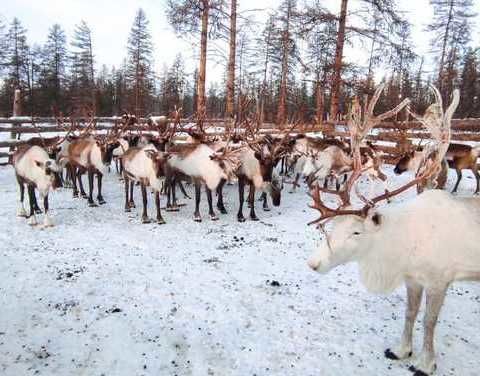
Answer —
390 137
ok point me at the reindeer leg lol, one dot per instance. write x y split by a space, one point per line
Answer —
220 204
459 177
73 177
477 177
241 192
168 188
21 193
295 183
127 202
425 364
145 218
414 298
196 215
160 219
47 221
264 198
211 213
182 188
90 189
131 203
32 220
253 216
80 183
174 196
100 198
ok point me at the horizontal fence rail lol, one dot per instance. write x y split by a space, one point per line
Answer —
389 137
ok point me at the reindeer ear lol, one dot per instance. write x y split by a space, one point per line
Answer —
374 220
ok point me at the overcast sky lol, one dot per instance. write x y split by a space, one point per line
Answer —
111 20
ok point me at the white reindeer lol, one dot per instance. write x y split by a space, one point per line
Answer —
35 169
427 243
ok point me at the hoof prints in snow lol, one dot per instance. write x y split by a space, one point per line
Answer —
101 293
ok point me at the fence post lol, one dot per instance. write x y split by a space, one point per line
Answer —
17 111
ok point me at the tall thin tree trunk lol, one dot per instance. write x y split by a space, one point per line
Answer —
337 69
282 100
201 110
320 102
444 46
231 60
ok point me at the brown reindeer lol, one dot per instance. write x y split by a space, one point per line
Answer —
458 157
92 156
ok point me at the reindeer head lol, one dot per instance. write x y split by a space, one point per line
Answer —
106 147
51 171
159 160
404 164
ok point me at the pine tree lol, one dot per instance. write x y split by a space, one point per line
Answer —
451 28
82 79
16 64
470 86
191 17
139 72
53 73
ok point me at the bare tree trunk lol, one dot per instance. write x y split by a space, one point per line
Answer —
320 103
337 69
444 46
17 111
231 60
282 100
201 108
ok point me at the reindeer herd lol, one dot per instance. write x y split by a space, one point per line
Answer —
425 243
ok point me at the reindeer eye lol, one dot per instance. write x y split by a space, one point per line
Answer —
356 233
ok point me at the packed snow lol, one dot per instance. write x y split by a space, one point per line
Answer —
102 294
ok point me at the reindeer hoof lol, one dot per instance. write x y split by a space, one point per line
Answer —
75 194
477 193
146 220
21 213
197 218
128 210
92 204
84 195
266 209
161 221
101 201
222 209
32 221
131 204
213 217
47 222
254 218
389 354
38 211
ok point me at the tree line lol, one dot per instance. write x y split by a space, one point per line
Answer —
288 66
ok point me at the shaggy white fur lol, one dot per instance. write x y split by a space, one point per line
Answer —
429 238
199 165
141 167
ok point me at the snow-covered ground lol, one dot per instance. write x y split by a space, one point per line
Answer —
102 294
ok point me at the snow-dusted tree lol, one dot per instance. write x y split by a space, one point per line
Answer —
139 73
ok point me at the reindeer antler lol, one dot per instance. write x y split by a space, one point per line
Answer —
360 123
